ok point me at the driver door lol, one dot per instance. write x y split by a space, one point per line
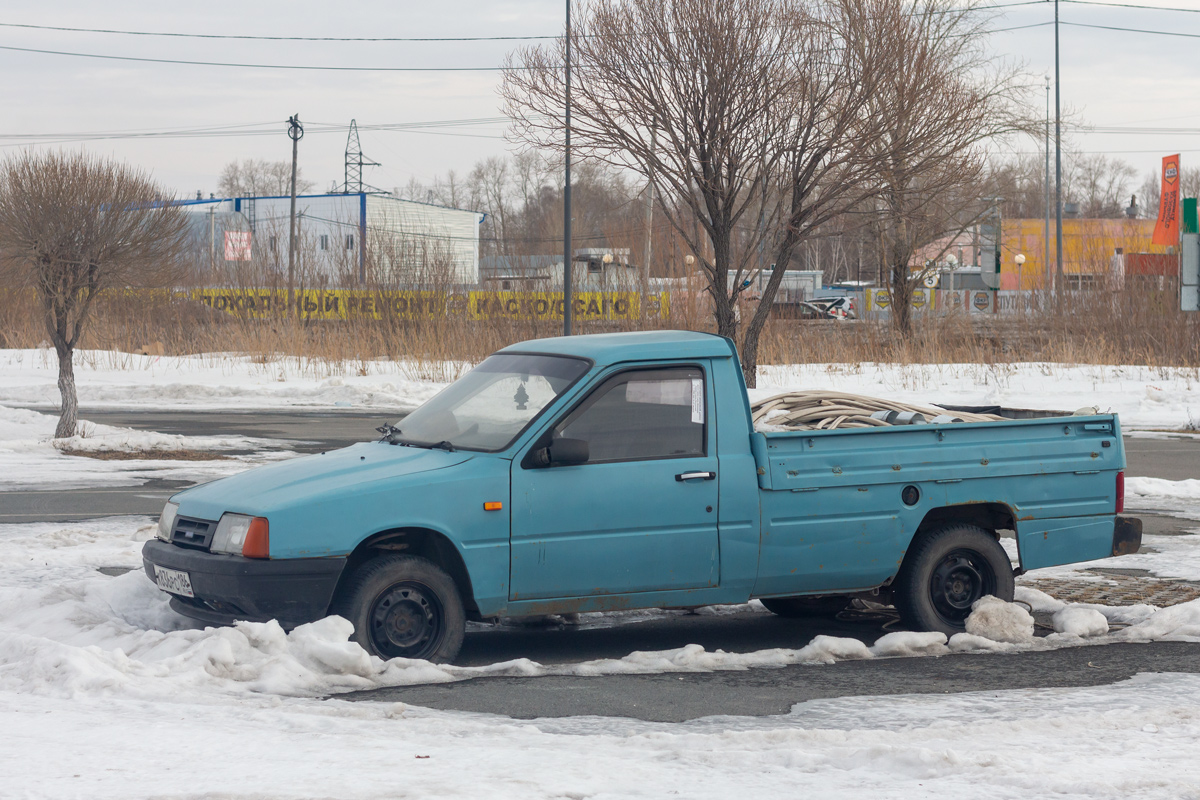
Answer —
640 515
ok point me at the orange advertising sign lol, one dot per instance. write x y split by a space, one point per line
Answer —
1166 232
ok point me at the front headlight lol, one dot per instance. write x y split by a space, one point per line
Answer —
231 534
240 535
166 521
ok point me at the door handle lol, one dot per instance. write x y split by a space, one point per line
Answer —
691 476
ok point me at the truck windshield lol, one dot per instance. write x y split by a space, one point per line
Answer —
489 406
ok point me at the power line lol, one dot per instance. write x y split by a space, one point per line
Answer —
1132 30
284 38
270 128
1131 5
256 66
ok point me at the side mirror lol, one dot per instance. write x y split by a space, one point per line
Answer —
563 453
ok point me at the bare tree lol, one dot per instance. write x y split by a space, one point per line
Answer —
828 146
687 91
255 177
73 225
946 96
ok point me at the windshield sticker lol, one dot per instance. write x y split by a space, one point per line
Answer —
698 401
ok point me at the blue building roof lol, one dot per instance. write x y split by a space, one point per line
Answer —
611 348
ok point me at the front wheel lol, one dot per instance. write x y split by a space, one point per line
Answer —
404 607
946 572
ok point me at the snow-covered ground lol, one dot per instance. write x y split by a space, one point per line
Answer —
30 457
1145 397
107 379
105 692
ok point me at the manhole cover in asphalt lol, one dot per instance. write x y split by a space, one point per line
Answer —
1116 590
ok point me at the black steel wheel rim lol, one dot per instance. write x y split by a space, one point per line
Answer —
406 621
958 580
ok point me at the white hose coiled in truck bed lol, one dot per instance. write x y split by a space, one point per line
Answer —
823 410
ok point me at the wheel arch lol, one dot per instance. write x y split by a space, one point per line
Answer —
993 517
427 543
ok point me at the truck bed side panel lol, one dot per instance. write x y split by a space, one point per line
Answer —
833 518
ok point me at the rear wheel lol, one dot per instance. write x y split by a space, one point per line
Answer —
944 574
404 607
826 606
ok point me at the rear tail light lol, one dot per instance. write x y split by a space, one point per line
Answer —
1120 493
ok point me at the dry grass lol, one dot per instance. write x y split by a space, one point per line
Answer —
1098 328
146 455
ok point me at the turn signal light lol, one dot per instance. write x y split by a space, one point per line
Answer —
258 539
1120 493
494 505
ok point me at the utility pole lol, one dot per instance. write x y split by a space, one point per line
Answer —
568 299
649 223
1058 236
212 239
1046 229
295 132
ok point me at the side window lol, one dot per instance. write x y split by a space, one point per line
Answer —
642 414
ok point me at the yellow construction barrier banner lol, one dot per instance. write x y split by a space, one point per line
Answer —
413 304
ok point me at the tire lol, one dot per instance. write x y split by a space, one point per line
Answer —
945 572
403 607
823 606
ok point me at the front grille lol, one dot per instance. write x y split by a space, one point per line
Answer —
197 533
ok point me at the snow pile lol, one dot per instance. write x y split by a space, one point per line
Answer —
910 643
1187 489
1075 620
1179 623
992 618
32 456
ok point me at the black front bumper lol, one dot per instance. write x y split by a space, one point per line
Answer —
230 588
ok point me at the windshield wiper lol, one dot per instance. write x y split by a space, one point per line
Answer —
391 435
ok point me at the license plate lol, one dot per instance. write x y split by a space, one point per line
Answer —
173 581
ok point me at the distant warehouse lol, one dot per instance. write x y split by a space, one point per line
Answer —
343 240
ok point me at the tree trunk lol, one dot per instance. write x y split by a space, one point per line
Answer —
750 356
69 418
902 300
754 328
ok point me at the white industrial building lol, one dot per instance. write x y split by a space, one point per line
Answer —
343 239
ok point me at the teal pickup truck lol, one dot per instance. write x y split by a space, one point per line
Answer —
621 471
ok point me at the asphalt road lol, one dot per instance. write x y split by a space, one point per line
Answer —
669 697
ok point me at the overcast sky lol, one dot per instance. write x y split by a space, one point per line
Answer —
1112 78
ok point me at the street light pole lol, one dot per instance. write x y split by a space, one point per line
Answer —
1058 234
568 299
